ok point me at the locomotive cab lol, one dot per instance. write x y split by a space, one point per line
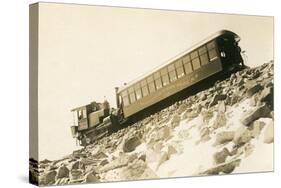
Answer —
88 116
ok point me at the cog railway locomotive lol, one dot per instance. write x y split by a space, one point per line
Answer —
213 57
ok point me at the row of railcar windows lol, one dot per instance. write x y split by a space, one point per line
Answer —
172 72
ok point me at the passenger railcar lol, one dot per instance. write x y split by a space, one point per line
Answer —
220 53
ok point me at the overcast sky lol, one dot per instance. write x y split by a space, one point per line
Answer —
85 51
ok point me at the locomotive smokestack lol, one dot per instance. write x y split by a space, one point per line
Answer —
117 97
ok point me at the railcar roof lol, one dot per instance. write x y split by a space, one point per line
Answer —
215 35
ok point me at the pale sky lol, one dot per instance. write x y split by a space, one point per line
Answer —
86 51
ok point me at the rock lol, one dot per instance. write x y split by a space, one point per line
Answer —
256 128
220 121
242 136
130 144
269 133
163 133
267 95
182 108
104 162
76 175
164 157
175 121
91 177
257 112
158 146
171 150
205 134
220 157
49 177
216 98
207 115
142 157
226 168
99 155
221 107
252 88
75 165
224 137
133 171
63 172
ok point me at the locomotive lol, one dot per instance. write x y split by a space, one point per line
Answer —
217 55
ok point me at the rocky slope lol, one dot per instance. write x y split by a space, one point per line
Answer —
225 129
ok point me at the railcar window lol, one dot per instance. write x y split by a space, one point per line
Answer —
138 94
180 71
143 83
186 59
179 68
150 79
204 59
193 55
132 97
172 72
211 45
158 83
124 93
151 87
196 63
202 50
131 89
165 79
156 75
144 90
188 67
213 54
126 100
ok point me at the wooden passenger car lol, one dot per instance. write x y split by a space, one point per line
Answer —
218 53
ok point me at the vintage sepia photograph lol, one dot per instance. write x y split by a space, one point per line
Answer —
121 94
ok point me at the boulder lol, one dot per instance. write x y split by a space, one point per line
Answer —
224 137
91 177
171 150
267 95
163 133
76 175
220 121
257 112
207 115
75 165
242 136
221 107
49 178
226 168
103 162
252 88
205 134
216 98
175 121
131 143
163 157
256 128
220 157
63 172
269 133
182 108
